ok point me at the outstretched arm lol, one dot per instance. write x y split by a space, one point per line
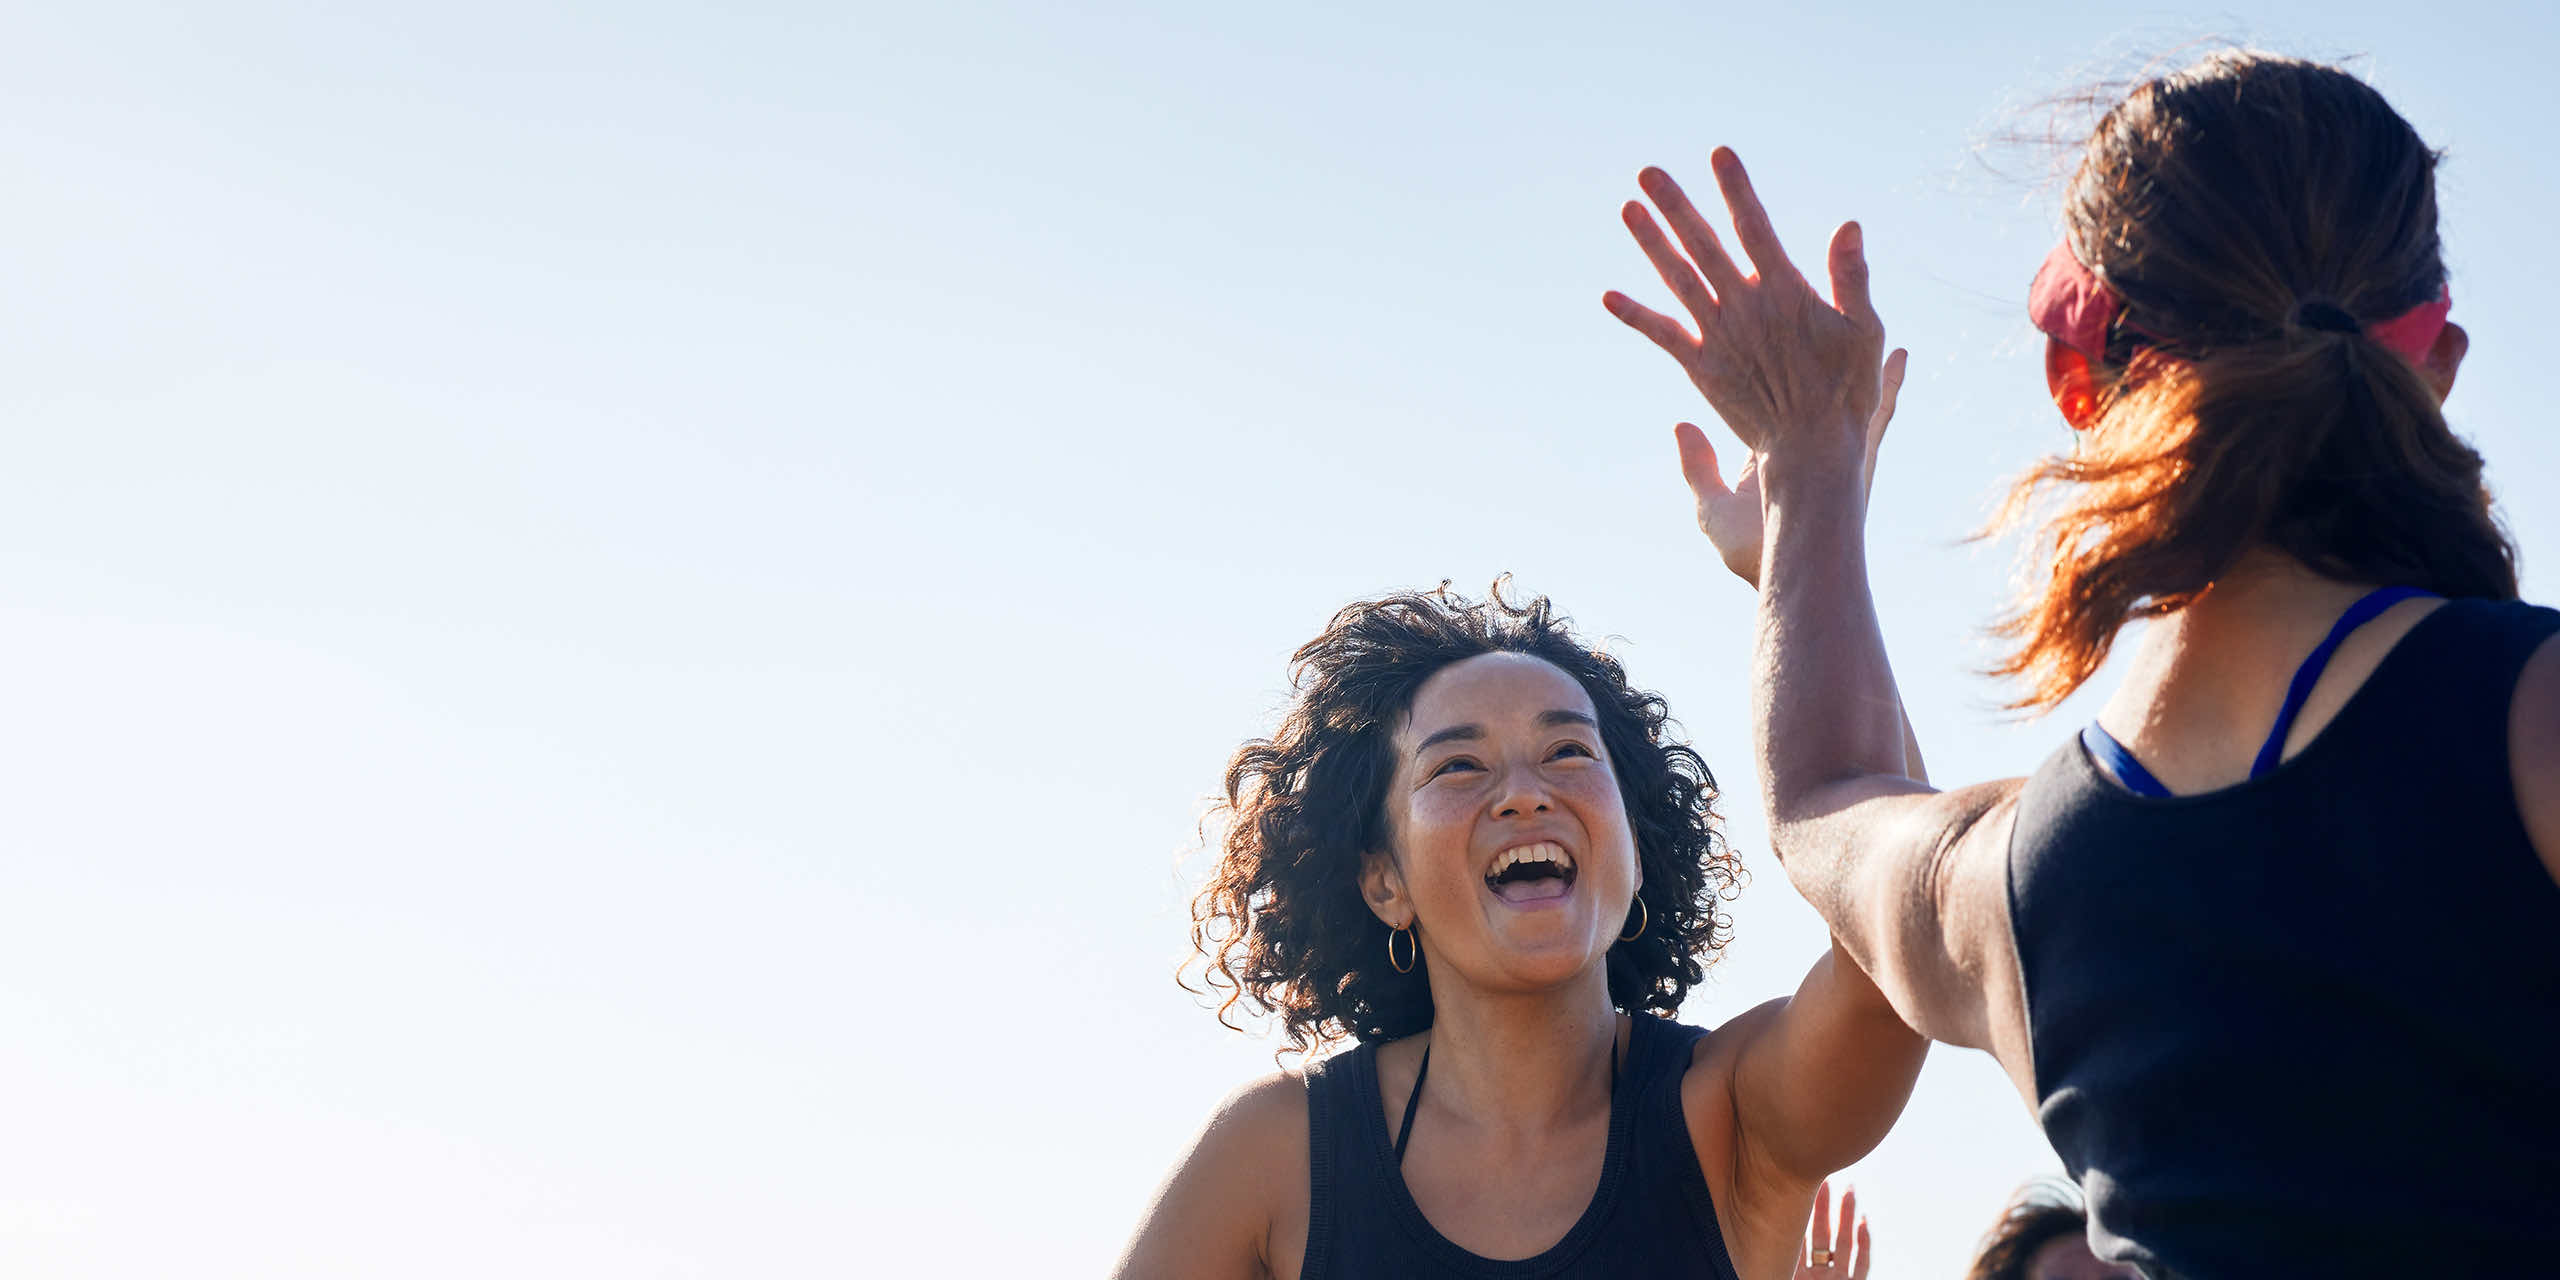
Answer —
1824 1073
1731 516
1909 879
1830 1069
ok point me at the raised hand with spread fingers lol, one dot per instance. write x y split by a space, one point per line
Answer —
1792 374
1740 358
1830 1253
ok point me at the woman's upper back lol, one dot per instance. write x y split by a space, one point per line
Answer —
2309 1015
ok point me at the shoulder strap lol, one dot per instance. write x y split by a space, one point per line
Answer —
2308 674
2117 759
1412 1104
1332 1098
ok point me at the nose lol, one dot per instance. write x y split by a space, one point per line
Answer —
1523 793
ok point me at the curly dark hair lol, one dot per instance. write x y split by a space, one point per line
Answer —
2041 1211
1281 927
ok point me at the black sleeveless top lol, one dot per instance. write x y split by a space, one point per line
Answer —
1650 1216
2309 1024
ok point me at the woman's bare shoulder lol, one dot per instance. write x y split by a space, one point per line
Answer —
2533 751
1264 1120
1236 1202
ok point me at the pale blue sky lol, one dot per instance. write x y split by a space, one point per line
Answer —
616 617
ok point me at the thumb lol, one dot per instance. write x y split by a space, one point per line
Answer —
1698 462
1889 388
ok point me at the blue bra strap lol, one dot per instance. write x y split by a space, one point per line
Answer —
2113 756
2308 674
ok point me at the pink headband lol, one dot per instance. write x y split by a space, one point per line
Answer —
2074 307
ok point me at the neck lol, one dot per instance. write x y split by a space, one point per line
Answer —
1523 1060
2223 662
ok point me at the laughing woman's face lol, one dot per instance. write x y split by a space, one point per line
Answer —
1512 860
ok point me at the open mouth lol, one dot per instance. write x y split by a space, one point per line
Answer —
1531 873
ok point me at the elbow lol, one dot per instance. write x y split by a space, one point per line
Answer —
1813 812
1797 805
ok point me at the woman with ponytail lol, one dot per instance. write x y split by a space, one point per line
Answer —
2270 947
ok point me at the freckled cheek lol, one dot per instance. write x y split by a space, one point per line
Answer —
1439 814
1595 793
1591 784
1602 809
1437 838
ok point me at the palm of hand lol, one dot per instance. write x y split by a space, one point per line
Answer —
1731 517
1731 520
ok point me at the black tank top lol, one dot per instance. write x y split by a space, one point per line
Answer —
1650 1216
2309 1025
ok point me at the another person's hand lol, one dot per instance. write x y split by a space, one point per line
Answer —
1827 1254
1730 517
1792 375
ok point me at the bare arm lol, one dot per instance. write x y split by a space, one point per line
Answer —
1823 1074
1227 1208
1822 1081
1734 522
1819 1083
2533 751
1908 879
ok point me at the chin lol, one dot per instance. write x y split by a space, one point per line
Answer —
1547 967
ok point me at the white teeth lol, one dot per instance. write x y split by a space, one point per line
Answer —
1543 851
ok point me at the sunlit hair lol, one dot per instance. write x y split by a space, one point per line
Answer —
1281 928
2215 201
2042 1211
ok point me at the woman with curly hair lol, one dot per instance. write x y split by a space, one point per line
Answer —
2042 1234
2268 947
1472 848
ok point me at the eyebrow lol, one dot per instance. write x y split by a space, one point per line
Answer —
1452 733
1469 732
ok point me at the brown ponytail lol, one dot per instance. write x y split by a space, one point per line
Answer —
2217 203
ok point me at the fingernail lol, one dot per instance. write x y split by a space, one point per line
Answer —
1855 238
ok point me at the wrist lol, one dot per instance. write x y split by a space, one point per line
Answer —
1817 460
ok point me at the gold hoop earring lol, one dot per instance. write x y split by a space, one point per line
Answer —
1412 953
1643 922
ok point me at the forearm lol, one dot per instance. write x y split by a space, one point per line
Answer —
1825 702
1748 569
